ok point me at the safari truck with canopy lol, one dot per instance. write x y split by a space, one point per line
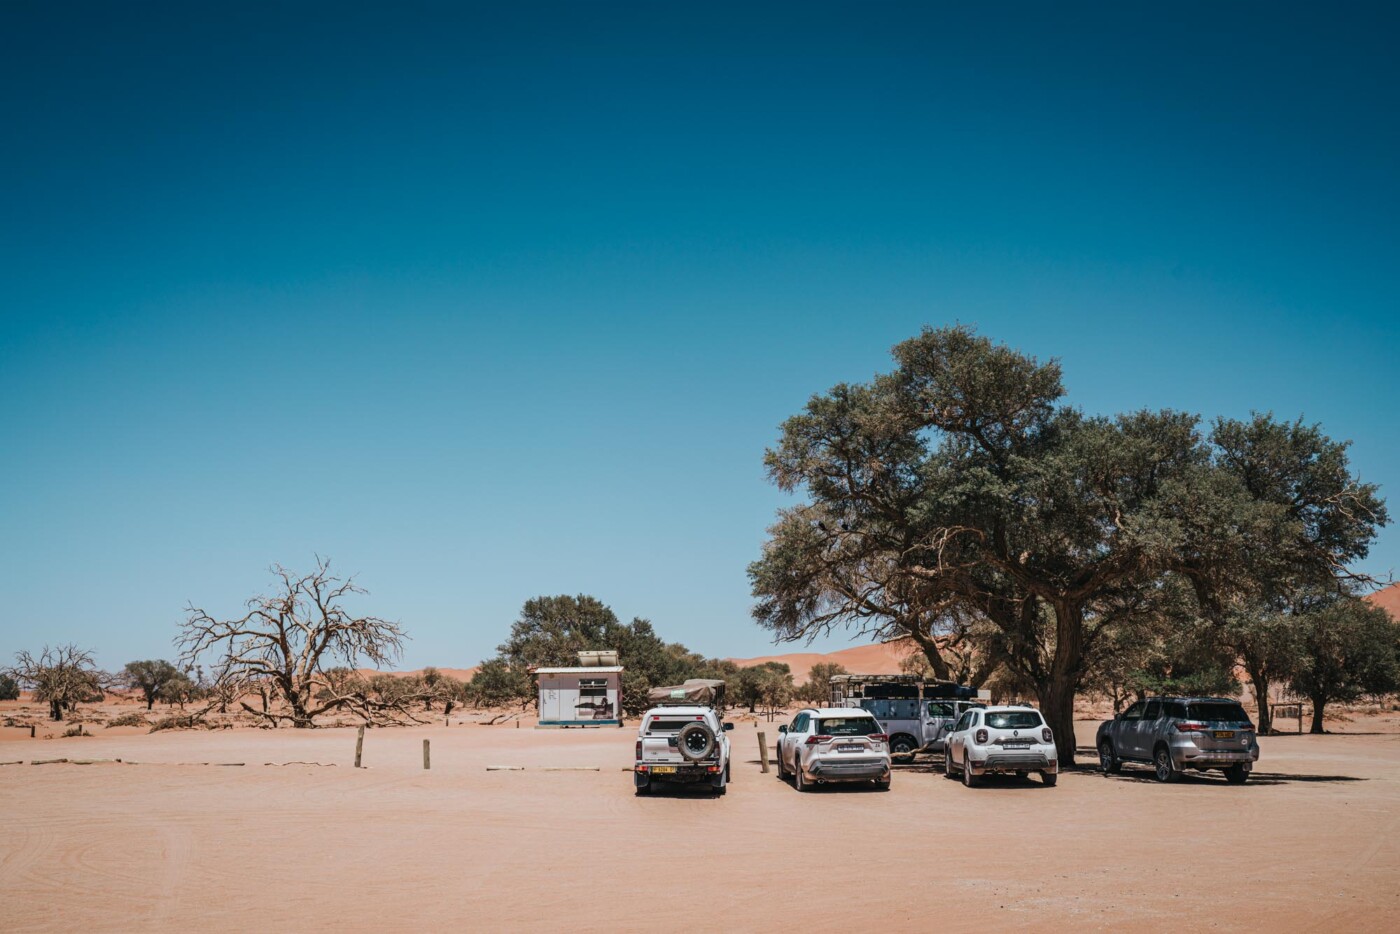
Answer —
681 739
916 713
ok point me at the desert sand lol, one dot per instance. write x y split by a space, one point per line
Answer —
1310 843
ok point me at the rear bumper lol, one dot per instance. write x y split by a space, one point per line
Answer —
1189 757
848 770
1027 761
642 774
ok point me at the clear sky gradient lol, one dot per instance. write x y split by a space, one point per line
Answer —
487 301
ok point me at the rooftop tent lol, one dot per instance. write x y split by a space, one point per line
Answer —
706 692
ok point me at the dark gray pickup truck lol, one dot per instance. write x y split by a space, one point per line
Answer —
1173 734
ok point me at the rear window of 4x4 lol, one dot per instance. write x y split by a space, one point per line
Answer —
667 726
1014 720
848 726
1217 712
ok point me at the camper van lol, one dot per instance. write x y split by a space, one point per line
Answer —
916 713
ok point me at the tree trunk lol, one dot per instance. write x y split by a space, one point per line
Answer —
1057 705
1318 704
55 710
1261 700
150 701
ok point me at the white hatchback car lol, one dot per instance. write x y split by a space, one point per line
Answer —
1012 739
834 744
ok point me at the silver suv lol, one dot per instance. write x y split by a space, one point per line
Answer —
1178 733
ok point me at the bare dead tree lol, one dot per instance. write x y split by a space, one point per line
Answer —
61 676
284 645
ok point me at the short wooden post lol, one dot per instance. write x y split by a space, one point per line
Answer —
426 763
359 745
31 727
763 751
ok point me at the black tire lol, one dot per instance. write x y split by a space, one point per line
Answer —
948 771
643 790
1237 774
902 747
782 769
695 741
1109 763
883 784
968 779
798 781
1048 779
1162 765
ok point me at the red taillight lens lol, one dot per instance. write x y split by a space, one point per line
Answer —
879 737
1046 735
813 740
1191 726
639 749
980 737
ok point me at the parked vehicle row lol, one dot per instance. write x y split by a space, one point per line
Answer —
683 740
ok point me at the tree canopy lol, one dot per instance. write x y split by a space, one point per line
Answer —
959 491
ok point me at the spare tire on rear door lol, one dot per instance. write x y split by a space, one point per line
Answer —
695 741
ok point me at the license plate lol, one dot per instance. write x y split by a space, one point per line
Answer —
850 747
1224 734
663 769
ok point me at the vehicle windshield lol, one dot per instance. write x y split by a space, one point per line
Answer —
1013 720
848 726
1218 712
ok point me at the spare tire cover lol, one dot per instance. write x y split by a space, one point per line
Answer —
695 740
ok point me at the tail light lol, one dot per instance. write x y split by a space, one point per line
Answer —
980 737
1047 736
639 750
1191 726
879 737
813 740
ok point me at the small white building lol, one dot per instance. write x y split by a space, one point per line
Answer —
589 694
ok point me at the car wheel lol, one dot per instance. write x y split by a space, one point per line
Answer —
1237 775
948 770
643 790
1048 779
782 765
969 780
1163 767
902 748
797 780
882 785
1108 762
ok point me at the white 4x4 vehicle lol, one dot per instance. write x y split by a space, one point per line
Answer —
834 744
684 745
1001 739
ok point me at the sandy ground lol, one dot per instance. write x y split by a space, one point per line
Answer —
1310 843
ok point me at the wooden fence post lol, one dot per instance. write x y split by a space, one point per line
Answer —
762 751
31 727
426 764
359 746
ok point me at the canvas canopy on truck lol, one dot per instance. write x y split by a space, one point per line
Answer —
706 692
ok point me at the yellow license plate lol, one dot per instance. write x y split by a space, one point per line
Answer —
663 769
1224 734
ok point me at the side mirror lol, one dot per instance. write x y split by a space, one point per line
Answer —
728 727
782 729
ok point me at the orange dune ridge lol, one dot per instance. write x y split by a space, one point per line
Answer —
877 659
1388 599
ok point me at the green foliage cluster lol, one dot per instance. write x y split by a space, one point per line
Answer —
817 688
959 502
551 631
9 688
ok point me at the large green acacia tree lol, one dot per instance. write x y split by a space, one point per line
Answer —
960 486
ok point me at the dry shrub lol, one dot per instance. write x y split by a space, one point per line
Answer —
129 719
75 730
179 722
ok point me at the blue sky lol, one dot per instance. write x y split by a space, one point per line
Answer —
487 301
